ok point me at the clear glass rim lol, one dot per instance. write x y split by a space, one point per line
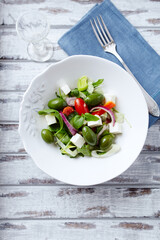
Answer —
30 12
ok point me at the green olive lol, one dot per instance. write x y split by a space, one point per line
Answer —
105 142
89 136
47 136
94 99
106 132
57 103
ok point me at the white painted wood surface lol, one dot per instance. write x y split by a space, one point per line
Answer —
23 202
68 12
32 204
80 229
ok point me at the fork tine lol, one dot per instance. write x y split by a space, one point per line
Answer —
98 38
100 34
109 35
104 34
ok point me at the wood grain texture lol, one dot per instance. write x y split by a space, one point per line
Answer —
9 105
12 143
19 74
11 51
80 229
11 139
127 207
69 12
56 202
21 170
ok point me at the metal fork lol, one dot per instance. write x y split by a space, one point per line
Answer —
106 41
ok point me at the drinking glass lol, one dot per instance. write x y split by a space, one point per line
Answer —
33 27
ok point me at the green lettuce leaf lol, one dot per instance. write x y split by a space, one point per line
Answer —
99 82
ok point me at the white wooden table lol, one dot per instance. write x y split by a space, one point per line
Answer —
34 206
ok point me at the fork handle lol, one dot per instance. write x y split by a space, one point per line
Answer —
152 105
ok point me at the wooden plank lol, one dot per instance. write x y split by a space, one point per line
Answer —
80 229
18 75
11 139
27 202
12 143
139 13
21 170
9 105
12 51
152 142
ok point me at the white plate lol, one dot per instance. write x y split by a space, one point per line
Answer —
83 170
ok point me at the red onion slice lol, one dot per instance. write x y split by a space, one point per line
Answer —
70 101
107 110
72 130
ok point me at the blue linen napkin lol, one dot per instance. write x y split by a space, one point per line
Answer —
140 57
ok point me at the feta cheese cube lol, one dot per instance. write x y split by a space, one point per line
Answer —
95 123
50 118
66 89
110 98
116 129
78 140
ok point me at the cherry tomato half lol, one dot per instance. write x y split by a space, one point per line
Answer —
81 106
68 110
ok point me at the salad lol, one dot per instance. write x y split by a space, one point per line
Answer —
83 121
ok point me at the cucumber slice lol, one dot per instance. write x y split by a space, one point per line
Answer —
82 83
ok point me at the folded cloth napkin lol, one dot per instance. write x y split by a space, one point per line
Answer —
140 57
